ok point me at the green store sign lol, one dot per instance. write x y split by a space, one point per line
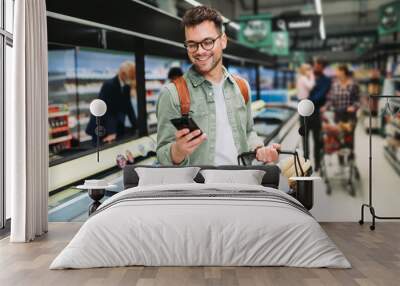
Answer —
389 18
255 31
280 43
366 43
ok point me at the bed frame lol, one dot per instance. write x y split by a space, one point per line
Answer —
270 179
304 192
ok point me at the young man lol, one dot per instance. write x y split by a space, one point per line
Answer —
216 103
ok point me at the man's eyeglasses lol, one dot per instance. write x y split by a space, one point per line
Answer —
207 44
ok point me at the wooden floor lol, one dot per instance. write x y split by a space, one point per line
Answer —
375 257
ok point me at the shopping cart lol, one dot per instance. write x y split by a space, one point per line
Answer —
338 141
302 190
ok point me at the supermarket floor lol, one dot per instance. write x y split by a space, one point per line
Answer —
72 204
341 206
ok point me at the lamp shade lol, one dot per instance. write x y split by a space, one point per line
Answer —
98 107
305 107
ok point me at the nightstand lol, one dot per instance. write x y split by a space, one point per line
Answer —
305 190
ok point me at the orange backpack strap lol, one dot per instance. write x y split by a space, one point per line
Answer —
183 93
243 87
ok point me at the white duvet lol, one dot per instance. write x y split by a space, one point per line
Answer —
200 231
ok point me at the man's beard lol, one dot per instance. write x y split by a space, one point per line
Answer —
213 66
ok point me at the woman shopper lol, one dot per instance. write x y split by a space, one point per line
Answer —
343 100
343 97
305 81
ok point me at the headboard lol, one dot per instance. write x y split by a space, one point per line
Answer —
270 179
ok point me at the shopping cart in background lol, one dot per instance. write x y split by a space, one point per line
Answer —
338 143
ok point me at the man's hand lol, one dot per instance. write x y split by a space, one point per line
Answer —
109 138
185 145
268 154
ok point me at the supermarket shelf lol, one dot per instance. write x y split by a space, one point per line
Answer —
58 78
81 107
62 93
73 92
91 77
58 129
60 139
392 159
58 114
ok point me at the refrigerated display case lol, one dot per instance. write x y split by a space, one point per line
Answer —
93 68
266 79
62 81
75 79
59 132
268 86
249 74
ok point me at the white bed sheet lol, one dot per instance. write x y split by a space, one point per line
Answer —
200 232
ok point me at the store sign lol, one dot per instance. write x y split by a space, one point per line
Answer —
255 31
280 43
334 43
297 58
389 18
295 23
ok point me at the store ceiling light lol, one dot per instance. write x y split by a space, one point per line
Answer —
193 2
318 9
322 29
318 6
234 25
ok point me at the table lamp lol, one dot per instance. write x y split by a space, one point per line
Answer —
305 108
98 108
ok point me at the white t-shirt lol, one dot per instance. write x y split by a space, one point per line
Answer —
225 149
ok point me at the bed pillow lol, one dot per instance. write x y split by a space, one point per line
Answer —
164 176
248 177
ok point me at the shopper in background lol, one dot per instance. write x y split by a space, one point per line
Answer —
318 96
174 73
305 81
343 98
217 105
116 93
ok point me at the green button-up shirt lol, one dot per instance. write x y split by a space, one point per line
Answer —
202 110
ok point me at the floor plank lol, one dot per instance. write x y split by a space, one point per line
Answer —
374 255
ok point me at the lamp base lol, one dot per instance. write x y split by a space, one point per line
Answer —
96 195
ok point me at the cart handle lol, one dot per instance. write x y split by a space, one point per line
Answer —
252 154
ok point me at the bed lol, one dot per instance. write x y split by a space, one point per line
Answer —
201 224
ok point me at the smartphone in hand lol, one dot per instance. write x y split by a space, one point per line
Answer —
186 122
